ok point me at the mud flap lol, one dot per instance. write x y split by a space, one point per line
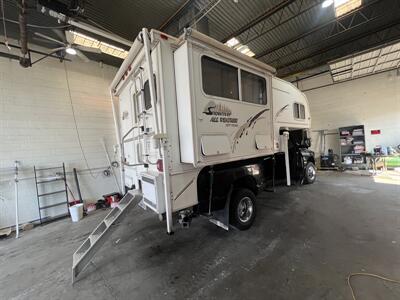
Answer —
221 217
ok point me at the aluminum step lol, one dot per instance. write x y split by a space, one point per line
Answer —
96 239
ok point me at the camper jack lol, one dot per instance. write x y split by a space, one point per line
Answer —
202 129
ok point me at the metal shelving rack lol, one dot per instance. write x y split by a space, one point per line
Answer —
40 181
347 149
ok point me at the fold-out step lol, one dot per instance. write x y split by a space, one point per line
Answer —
96 239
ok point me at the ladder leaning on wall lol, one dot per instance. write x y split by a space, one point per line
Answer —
43 178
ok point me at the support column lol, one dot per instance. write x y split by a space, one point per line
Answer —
285 146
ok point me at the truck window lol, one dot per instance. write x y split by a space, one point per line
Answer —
299 111
253 88
219 79
146 93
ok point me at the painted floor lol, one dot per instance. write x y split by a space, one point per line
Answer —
304 243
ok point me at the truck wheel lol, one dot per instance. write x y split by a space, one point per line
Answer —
310 173
243 209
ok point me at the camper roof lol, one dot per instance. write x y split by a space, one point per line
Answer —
194 34
189 33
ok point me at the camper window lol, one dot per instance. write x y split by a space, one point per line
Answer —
146 93
299 111
253 88
219 79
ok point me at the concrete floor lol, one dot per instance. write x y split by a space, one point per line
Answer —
304 243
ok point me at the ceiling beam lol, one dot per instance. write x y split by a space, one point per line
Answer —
268 13
313 30
339 45
302 9
9 56
339 30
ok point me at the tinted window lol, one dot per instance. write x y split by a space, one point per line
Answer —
146 93
253 88
219 79
299 111
302 111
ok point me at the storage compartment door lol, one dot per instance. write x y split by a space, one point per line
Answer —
215 145
261 141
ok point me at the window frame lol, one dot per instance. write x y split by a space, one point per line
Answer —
144 96
239 69
297 104
223 62
241 89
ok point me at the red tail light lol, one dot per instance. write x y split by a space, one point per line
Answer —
160 166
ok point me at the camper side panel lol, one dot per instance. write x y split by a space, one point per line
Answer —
224 106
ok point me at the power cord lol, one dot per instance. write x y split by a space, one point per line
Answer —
367 275
76 125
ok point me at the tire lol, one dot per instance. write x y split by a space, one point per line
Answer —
242 209
310 173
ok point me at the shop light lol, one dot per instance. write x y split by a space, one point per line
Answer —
327 3
87 41
70 51
342 7
235 44
245 50
232 42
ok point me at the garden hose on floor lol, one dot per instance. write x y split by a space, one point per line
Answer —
367 275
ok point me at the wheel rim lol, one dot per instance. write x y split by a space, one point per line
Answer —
311 172
245 209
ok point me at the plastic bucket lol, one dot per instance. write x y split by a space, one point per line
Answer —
76 212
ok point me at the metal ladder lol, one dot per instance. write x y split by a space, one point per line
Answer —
96 239
41 181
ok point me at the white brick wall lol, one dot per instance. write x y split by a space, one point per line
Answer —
372 101
37 128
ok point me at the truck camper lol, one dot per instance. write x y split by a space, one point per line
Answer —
202 128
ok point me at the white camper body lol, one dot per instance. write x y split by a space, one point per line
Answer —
182 104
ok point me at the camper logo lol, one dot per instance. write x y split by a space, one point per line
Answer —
220 114
217 109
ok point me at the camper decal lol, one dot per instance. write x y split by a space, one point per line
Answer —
220 114
244 129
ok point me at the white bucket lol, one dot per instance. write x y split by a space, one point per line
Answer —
76 212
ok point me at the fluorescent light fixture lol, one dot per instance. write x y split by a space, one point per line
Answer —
232 42
70 51
245 50
87 41
112 50
327 3
235 44
343 7
250 53
386 57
